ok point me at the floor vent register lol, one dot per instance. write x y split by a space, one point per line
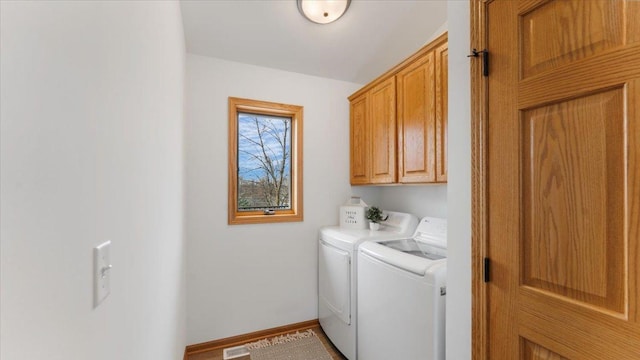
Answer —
234 352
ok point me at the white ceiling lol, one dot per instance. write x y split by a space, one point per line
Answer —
372 37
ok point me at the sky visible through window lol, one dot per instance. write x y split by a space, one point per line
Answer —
264 162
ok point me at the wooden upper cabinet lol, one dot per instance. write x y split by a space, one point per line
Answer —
383 132
442 105
359 136
373 135
417 121
399 122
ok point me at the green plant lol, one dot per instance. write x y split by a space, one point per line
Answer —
374 215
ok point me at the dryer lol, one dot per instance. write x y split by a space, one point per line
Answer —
337 280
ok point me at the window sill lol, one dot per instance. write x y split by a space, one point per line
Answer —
264 219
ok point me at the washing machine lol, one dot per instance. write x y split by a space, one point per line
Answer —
337 265
401 295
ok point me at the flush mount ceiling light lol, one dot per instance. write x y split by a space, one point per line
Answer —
323 11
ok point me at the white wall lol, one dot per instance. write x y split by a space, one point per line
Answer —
459 186
420 200
91 149
244 278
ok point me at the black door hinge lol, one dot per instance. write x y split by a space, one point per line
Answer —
487 269
485 59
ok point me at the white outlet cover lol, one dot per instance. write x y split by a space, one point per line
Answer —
101 272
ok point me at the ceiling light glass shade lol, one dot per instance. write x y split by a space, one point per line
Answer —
323 11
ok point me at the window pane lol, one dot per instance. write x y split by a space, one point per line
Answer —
264 162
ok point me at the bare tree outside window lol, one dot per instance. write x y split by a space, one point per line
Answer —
264 162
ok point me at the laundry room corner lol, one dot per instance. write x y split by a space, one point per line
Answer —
244 278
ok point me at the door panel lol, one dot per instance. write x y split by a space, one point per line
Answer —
417 122
383 132
560 32
563 179
633 197
359 140
442 106
573 237
533 351
632 24
334 280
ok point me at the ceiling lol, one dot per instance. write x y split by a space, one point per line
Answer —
372 37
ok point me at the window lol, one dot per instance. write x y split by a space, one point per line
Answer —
265 162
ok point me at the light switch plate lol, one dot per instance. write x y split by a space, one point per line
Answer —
101 272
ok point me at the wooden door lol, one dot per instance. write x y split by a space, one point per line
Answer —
417 121
442 103
564 179
359 137
383 132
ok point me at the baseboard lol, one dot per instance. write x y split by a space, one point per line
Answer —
250 337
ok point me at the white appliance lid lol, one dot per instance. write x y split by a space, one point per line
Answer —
399 223
432 231
399 259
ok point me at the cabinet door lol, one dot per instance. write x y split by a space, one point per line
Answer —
442 89
417 122
359 137
383 132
